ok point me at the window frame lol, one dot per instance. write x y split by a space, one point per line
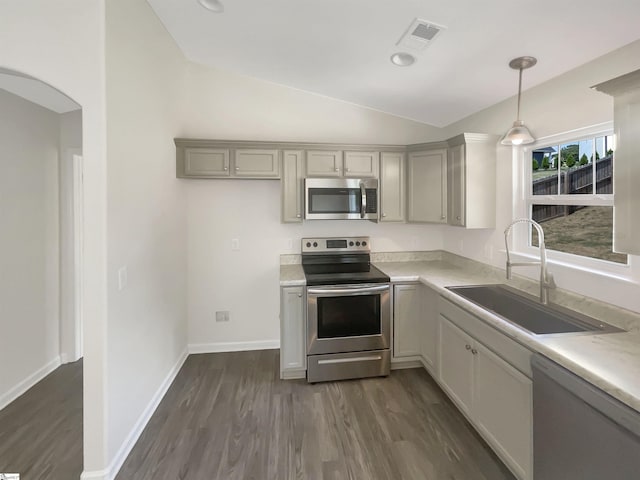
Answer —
524 201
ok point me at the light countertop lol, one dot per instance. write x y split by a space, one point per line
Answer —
609 361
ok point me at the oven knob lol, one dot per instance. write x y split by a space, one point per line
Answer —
357 244
364 244
351 244
315 244
308 244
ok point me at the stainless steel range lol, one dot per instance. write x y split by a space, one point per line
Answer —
348 310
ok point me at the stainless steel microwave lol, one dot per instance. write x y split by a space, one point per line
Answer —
341 199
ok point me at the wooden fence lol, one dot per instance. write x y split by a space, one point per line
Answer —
575 181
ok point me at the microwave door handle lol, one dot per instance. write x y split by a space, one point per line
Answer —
363 208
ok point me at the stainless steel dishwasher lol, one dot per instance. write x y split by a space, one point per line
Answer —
579 431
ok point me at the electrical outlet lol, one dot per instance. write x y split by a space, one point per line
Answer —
222 316
235 244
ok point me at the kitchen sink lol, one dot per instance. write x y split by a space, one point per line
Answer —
528 313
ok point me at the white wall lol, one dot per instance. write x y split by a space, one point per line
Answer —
246 282
70 144
223 105
62 44
562 104
147 328
29 286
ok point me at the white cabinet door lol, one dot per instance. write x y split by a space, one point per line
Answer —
456 364
361 164
503 410
292 196
324 163
293 352
206 162
257 163
427 186
392 180
456 185
429 328
406 321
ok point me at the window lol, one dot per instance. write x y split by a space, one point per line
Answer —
570 193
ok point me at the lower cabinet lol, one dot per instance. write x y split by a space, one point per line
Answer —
495 396
293 350
415 324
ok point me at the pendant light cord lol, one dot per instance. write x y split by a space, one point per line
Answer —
519 93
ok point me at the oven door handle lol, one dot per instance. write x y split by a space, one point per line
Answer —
348 290
363 192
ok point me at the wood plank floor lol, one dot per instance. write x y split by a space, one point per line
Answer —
41 431
227 416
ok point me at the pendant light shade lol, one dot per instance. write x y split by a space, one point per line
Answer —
212 5
519 134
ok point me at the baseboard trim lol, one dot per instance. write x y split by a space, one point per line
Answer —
126 447
410 362
219 347
28 382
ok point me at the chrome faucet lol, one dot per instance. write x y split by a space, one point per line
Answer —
546 279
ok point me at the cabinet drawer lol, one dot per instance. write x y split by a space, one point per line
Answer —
507 348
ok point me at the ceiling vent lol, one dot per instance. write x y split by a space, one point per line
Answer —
420 34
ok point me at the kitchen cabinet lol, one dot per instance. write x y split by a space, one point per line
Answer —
427 186
625 91
471 180
406 320
428 330
206 162
222 159
336 163
255 163
494 394
293 351
392 191
292 194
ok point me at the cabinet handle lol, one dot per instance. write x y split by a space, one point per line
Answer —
337 169
225 168
442 217
346 169
458 217
298 215
474 351
384 214
299 295
237 168
468 347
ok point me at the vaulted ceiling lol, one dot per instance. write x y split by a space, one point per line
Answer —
341 48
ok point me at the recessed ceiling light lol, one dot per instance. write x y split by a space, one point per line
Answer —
213 5
402 59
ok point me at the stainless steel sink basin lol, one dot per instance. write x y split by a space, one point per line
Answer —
527 312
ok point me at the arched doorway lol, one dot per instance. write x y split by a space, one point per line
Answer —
41 259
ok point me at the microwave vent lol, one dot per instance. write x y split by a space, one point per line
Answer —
420 34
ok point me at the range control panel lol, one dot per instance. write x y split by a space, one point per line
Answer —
336 245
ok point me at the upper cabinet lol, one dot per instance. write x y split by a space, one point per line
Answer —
220 159
626 173
292 196
427 186
471 180
336 163
392 187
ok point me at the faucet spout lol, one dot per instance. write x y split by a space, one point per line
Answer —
546 279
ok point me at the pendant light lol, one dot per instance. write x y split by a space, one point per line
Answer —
212 5
519 134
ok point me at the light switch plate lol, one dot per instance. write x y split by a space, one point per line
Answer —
235 244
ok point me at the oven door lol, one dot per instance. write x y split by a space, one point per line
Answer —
348 318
